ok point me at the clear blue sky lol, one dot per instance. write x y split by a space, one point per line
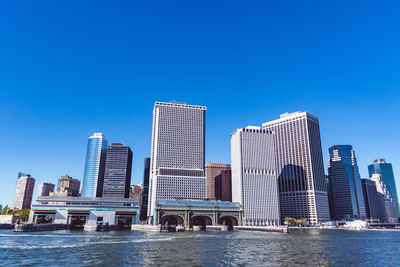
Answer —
69 68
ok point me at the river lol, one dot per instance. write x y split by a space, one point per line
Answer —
298 248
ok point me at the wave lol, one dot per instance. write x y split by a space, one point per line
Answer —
83 244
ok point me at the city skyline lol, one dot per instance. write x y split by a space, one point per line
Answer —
248 63
137 180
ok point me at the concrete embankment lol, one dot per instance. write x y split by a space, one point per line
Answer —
261 229
146 227
29 227
7 225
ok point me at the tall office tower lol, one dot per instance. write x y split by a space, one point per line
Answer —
44 189
177 153
254 180
24 191
345 183
300 167
145 196
214 169
371 199
93 177
385 169
117 175
386 203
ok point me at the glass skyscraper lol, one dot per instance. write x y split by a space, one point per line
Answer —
93 177
345 183
380 166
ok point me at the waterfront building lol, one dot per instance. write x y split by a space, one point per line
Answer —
117 175
44 189
385 169
136 193
386 203
145 196
223 186
67 186
300 167
254 179
203 213
371 200
78 212
177 153
24 191
215 184
93 177
345 183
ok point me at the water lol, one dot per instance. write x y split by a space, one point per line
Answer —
298 248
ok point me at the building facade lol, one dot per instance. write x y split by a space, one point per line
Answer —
136 193
145 196
254 179
300 167
93 177
223 186
177 153
24 191
44 189
67 186
117 175
386 203
371 200
345 183
80 212
380 166
215 183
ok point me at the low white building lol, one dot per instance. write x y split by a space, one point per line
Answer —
80 211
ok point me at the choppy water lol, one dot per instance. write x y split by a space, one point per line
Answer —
299 248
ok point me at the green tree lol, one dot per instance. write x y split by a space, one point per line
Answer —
4 210
24 214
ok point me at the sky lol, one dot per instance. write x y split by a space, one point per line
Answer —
71 68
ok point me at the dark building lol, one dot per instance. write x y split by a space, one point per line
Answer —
214 170
117 175
345 183
380 166
371 199
223 186
145 196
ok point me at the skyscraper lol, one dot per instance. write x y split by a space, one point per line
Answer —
24 191
93 177
117 175
386 203
145 200
254 180
372 207
345 183
300 167
44 189
214 169
177 153
380 166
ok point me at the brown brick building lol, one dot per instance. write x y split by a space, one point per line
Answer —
218 181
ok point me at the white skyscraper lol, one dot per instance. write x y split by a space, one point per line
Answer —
254 180
300 167
177 153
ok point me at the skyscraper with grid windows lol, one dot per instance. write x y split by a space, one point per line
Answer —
254 180
300 167
177 153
